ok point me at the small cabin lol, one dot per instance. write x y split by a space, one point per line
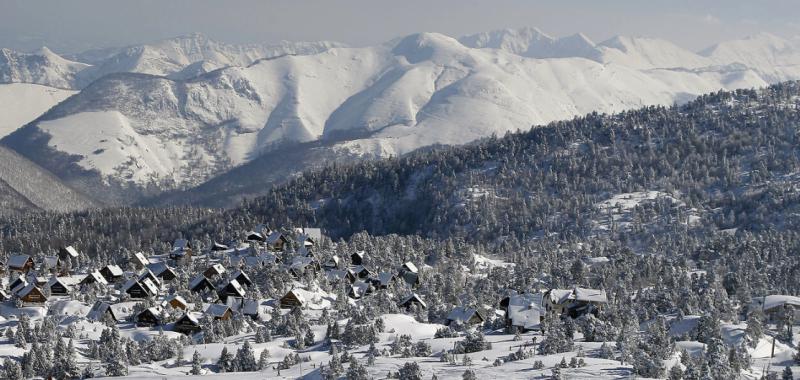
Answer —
360 271
383 280
200 284
57 287
292 299
181 249
359 289
112 273
410 301
524 311
575 302
31 294
101 312
149 317
52 264
68 252
20 263
18 284
188 324
176 302
140 288
94 277
409 273
332 263
258 234
276 241
465 316
231 288
214 271
140 261
242 278
148 274
219 247
163 272
219 312
302 265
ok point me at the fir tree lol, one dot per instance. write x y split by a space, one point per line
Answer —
245 358
196 364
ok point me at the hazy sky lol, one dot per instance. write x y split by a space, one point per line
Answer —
70 26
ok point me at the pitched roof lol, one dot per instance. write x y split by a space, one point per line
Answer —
70 251
237 287
773 301
115 270
159 268
97 277
55 280
196 280
218 268
27 290
51 261
98 310
217 310
359 288
149 286
174 297
590 295
274 237
385 278
414 297
410 267
524 310
180 244
18 261
462 314
143 260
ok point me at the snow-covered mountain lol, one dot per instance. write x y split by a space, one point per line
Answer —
42 67
20 103
164 132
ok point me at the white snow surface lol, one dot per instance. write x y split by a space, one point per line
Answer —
21 103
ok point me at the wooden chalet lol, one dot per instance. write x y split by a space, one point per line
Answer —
465 316
94 277
276 241
163 271
219 311
181 249
360 289
332 263
20 263
149 317
411 300
112 273
292 299
176 302
231 288
258 234
52 264
140 288
214 271
31 294
242 277
409 273
524 311
383 280
18 283
68 252
301 265
188 324
101 312
139 260
575 302
148 274
57 287
200 284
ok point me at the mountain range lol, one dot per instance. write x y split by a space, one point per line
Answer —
194 120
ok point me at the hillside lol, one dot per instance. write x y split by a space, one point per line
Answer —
21 103
144 134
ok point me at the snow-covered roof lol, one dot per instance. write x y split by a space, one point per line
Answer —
196 280
415 297
27 290
98 277
158 268
21 283
525 310
217 310
143 260
274 237
333 261
462 314
773 301
194 317
236 286
335 274
55 280
590 295
18 261
409 266
180 245
174 297
385 278
251 307
560 295
51 261
129 284
299 294
359 288
115 270
218 268
98 310
70 250
149 286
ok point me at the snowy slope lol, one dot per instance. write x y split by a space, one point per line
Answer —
20 103
774 58
41 67
382 100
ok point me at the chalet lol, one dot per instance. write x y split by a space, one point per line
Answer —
292 299
57 287
31 294
139 260
215 271
260 260
335 276
302 265
276 241
308 237
52 264
359 289
101 312
188 324
175 301
242 277
358 258
409 273
112 273
218 247
332 263
163 271
383 280
231 288
140 288
94 277
18 284
575 302
259 234
68 252
152 277
524 311
200 284
465 316
181 249
20 263
411 300
251 308
219 312
774 306
149 317
359 271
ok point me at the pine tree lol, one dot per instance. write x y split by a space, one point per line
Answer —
469 375
410 371
196 364
225 361
357 371
263 359
245 358
12 370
